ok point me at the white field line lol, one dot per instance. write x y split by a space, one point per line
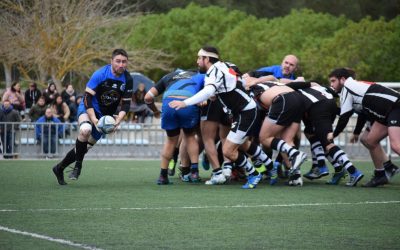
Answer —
48 238
204 207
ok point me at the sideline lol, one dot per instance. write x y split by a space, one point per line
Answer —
48 238
203 207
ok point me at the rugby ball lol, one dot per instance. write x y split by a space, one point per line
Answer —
106 124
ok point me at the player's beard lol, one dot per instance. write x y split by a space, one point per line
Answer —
202 70
119 71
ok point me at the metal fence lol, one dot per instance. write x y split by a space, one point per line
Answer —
132 140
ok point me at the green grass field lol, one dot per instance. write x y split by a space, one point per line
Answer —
117 205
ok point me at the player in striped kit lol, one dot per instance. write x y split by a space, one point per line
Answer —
382 107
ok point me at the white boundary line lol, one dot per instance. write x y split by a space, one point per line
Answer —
204 207
48 238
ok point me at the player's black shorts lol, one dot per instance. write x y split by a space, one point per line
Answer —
318 119
242 126
286 109
214 111
393 118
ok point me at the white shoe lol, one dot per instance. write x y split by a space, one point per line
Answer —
216 180
295 179
298 160
227 172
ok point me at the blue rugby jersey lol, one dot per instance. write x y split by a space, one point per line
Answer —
109 90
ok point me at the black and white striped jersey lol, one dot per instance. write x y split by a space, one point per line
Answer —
229 87
314 94
373 99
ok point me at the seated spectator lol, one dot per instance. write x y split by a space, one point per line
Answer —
48 129
141 112
31 95
60 108
38 109
7 131
69 97
15 97
49 93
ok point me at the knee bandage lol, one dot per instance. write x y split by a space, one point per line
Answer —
85 128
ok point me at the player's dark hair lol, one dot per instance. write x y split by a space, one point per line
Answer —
118 52
213 50
343 72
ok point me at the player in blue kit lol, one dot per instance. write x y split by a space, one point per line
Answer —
178 85
106 88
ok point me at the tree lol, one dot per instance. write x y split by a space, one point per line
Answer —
53 38
175 35
370 47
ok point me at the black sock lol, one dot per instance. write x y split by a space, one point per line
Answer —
80 150
185 170
216 170
68 159
176 153
220 154
379 172
194 168
164 173
279 158
389 166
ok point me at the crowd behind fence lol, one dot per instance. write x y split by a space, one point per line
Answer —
132 140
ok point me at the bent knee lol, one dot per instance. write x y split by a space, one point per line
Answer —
85 129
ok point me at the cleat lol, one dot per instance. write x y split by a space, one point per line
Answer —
58 172
204 162
298 159
336 177
377 181
392 172
227 173
216 179
355 178
163 181
76 171
185 177
194 177
252 181
317 172
295 178
273 175
171 168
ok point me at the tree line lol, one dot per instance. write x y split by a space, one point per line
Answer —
49 40
321 41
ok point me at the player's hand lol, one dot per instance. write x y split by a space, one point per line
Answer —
354 138
202 104
177 104
117 123
330 136
250 81
157 114
300 79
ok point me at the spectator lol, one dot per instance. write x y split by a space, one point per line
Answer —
60 108
69 97
15 97
48 129
32 95
49 93
7 131
138 106
38 109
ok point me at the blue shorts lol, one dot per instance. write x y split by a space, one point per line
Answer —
95 133
183 118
